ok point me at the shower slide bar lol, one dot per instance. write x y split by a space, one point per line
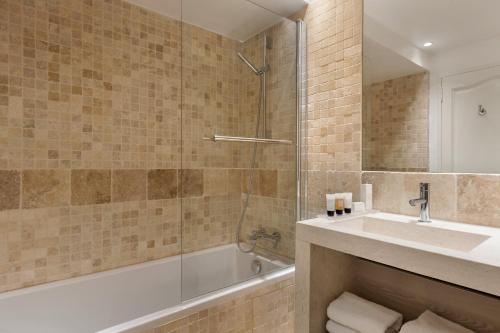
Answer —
223 138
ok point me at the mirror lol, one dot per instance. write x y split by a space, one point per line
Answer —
431 86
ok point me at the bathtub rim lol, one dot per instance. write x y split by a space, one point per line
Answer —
202 302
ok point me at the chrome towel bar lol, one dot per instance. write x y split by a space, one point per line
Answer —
223 138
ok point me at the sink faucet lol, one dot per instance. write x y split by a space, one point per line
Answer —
423 201
275 237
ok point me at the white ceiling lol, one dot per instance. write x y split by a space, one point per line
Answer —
382 64
236 19
447 23
283 8
170 8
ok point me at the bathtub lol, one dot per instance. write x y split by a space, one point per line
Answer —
138 297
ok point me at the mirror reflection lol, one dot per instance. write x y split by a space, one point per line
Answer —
431 81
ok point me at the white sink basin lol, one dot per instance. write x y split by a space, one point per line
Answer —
425 233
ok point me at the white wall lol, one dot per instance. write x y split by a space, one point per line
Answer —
461 59
467 58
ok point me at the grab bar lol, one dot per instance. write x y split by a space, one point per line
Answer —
217 138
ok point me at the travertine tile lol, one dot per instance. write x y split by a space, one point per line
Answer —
443 195
248 175
129 185
162 184
388 189
478 199
345 181
191 183
215 182
208 221
334 85
395 124
268 183
90 187
287 185
93 112
269 309
45 188
234 182
73 241
10 189
317 188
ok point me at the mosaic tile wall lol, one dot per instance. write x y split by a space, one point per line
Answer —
92 176
210 105
266 310
90 146
395 124
229 105
272 204
334 31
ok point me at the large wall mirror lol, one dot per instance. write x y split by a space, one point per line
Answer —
431 86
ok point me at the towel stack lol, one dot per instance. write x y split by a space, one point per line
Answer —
352 314
429 322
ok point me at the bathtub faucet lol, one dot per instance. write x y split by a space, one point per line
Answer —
261 233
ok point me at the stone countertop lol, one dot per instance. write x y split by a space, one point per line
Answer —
475 267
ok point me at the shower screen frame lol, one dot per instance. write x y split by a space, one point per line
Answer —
300 142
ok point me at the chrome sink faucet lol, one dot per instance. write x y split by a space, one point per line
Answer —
275 237
423 201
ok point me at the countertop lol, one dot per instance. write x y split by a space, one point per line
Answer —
477 267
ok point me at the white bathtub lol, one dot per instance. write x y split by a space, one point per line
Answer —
134 298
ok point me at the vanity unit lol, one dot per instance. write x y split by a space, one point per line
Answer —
430 115
394 260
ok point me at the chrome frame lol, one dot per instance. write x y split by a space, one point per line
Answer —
301 152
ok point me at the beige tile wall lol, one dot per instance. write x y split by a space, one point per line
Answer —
221 96
266 310
272 204
89 116
465 198
210 191
334 32
395 124
92 175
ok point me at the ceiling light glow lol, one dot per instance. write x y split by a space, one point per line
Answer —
427 44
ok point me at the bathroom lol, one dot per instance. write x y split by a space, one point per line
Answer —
170 165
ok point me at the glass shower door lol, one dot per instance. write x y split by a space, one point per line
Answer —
239 130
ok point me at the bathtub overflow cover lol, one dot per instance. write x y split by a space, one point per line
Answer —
256 266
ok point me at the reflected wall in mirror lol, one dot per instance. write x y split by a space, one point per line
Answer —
431 86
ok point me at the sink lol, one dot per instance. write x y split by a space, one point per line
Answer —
425 233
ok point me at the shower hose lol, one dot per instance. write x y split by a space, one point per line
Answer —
250 177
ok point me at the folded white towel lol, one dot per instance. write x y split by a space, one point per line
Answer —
429 322
363 316
333 327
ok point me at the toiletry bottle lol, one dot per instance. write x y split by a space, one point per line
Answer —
339 203
330 204
348 202
366 195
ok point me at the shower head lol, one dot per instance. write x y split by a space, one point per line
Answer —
252 67
249 64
